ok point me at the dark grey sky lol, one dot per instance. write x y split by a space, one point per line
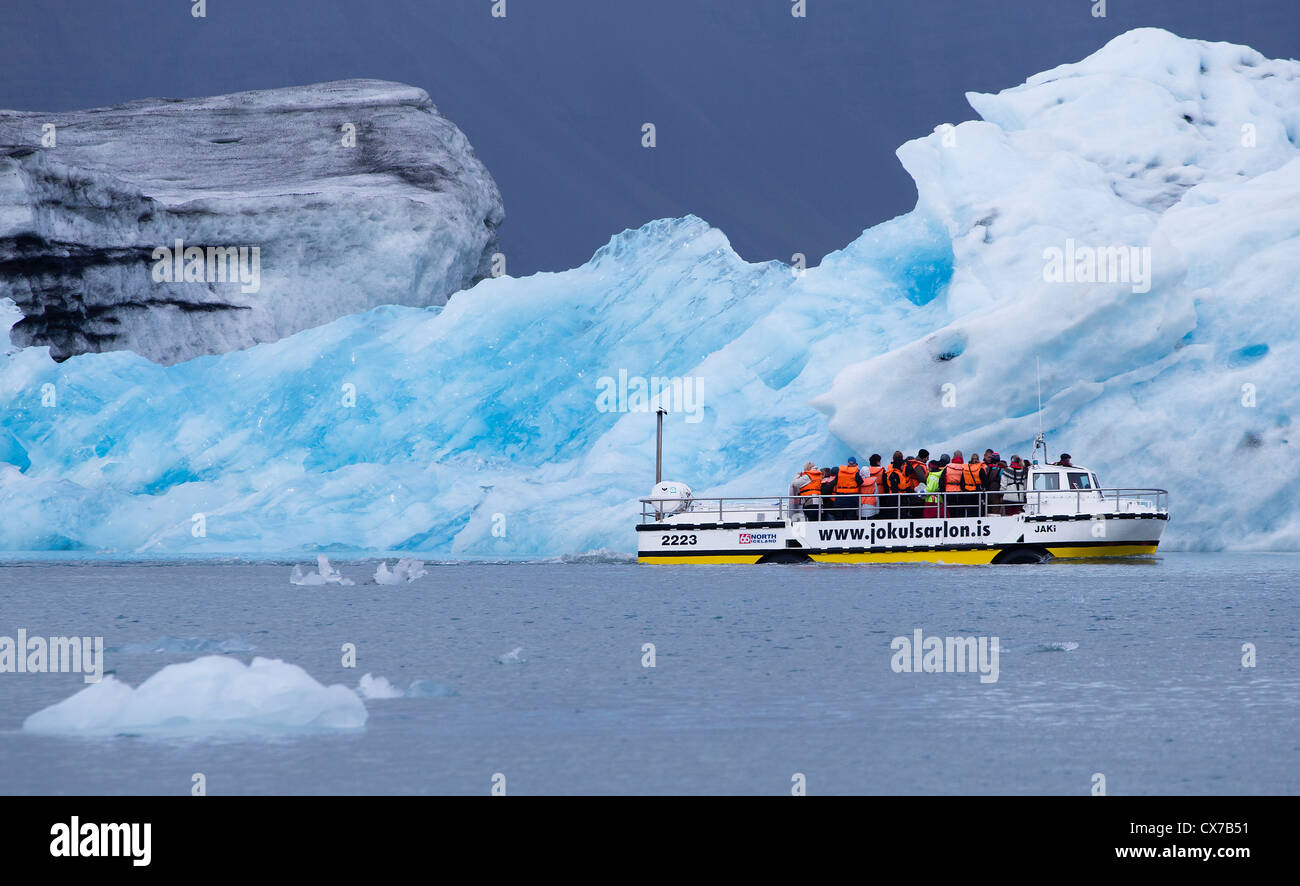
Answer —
780 131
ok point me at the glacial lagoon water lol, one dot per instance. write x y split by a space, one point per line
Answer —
1133 670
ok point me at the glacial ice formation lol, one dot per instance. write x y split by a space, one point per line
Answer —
325 574
379 688
355 193
211 696
405 572
498 426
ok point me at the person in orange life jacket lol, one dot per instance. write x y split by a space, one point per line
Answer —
951 483
870 494
993 465
972 482
848 483
914 503
896 485
877 473
805 492
940 473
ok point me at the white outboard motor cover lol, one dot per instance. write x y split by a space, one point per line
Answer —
671 498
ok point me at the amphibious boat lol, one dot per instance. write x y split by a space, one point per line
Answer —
1063 513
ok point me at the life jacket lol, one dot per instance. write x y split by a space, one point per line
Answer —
970 477
847 480
814 486
918 470
878 474
932 485
868 491
901 478
952 476
994 478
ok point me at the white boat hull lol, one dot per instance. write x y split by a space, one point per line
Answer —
691 538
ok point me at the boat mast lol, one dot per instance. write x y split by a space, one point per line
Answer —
1040 440
659 447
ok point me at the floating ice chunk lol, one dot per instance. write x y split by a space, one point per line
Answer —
406 570
380 688
377 687
185 644
429 689
210 696
1064 646
325 574
514 656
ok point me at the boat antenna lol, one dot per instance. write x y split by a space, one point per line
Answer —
1040 441
659 446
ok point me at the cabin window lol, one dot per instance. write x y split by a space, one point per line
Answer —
1096 484
1080 481
1047 481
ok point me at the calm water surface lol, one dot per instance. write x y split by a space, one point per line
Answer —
1129 669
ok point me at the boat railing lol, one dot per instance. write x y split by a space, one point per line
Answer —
911 506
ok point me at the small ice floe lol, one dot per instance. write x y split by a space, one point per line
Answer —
191 645
514 656
325 574
1065 646
405 571
211 696
376 688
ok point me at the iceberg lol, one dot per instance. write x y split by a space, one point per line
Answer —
102 212
517 420
210 696
406 571
379 688
325 574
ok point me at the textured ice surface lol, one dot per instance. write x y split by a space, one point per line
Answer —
406 571
189 645
325 574
213 695
476 429
405 215
379 688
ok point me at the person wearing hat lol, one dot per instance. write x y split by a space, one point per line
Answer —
933 475
1015 478
805 492
848 484
869 500
993 465
1065 461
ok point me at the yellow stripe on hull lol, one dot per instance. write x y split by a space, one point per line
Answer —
979 557
963 558
1092 552
714 560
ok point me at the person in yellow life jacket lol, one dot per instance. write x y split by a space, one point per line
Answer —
932 477
973 479
848 481
805 492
